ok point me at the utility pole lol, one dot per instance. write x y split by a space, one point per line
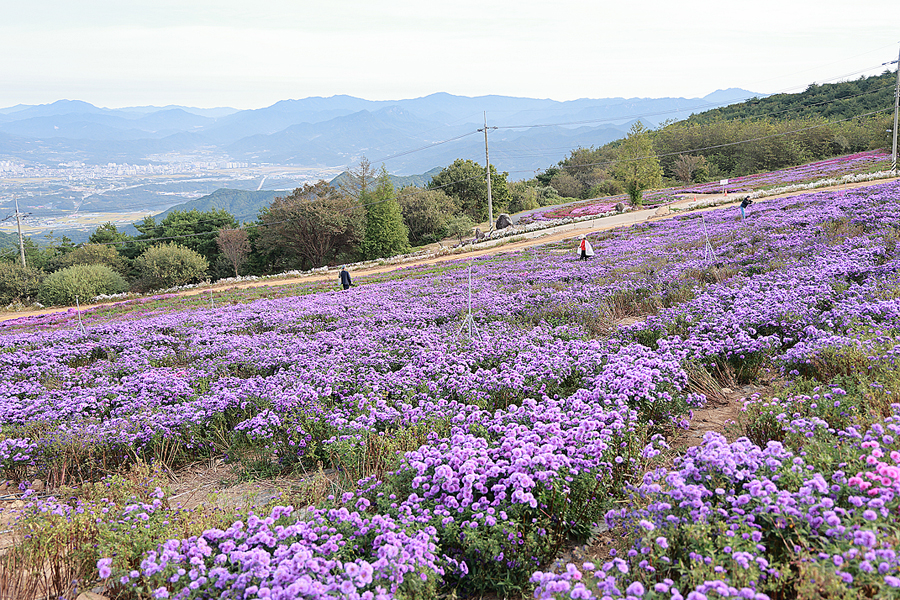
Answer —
21 238
487 162
896 109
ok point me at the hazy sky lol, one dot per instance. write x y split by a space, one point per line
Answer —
251 54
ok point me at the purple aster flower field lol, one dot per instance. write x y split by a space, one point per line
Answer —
429 461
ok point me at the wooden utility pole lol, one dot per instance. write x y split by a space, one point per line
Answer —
896 110
487 162
21 237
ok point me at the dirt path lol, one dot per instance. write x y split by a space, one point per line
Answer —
534 238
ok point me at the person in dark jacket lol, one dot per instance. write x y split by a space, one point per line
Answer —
744 205
345 278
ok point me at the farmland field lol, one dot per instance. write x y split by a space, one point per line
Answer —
430 458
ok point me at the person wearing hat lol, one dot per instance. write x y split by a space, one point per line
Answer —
586 249
345 278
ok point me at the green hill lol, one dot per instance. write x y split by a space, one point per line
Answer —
830 100
243 204
8 240
397 181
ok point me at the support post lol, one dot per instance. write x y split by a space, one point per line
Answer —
896 110
21 237
487 162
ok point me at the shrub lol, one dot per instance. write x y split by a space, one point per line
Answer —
169 265
94 254
84 281
18 284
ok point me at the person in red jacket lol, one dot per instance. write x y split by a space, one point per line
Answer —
586 249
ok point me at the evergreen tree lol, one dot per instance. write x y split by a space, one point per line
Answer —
386 233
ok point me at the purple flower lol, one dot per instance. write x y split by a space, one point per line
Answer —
103 566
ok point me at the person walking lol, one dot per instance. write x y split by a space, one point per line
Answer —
745 203
345 278
586 249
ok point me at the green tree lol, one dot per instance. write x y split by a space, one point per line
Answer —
192 229
426 213
522 197
169 265
386 233
17 283
465 181
312 225
638 166
108 234
586 170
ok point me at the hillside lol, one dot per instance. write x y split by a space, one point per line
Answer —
8 240
830 100
571 424
243 204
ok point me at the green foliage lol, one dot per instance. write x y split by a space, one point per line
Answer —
567 185
522 197
528 195
426 213
168 265
82 281
108 234
772 143
638 166
386 234
583 171
460 226
832 101
193 229
40 256
9 241
311 226
546 176
465 181
17 283
94 254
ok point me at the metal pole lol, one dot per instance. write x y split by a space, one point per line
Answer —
21 238
896 108
487 163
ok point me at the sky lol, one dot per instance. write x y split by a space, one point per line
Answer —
251 54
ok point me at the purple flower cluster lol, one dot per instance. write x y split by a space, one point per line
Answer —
316 554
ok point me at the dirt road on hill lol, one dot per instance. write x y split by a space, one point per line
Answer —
533 238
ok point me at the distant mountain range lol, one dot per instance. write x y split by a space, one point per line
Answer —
408 136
